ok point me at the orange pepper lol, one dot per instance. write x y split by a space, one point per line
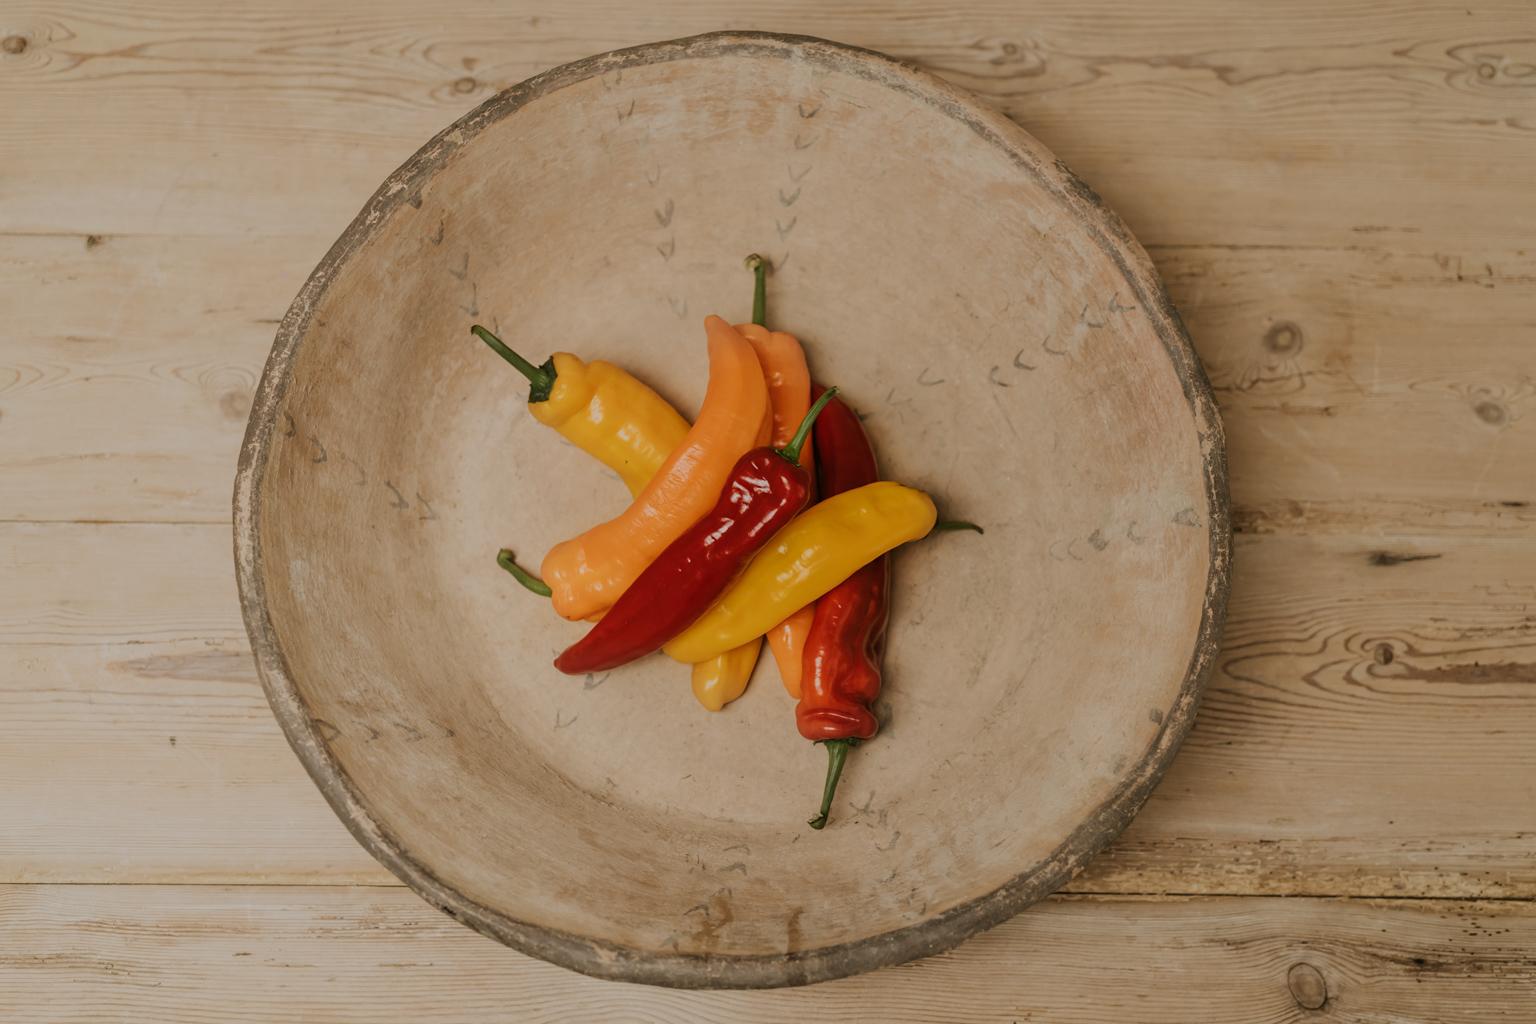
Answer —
586 574
789 394
724 677
787 642
757 337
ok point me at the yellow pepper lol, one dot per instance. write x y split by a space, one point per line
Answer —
600 409
612 416
820 548
721 679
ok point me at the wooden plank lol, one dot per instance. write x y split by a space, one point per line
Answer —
1364 694
1366 731
158 761
137 743
185 954
119 585
1364 390
1369 390
1301 122
128 367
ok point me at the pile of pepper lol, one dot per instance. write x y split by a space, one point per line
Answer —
736 532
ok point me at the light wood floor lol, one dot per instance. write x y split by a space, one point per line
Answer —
1341 196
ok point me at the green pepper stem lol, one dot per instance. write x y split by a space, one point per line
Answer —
956 524
759 268
504 558
540 378
837 753
791 451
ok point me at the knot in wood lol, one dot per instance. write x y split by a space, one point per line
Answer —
1491 413
1307 986
1283 339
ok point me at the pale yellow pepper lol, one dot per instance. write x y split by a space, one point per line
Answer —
820 548
719 680
602 410
612 416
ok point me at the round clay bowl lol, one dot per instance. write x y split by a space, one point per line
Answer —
1015 355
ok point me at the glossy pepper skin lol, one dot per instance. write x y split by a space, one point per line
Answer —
720 680
602 410
588 573
841 675
821 547
789 395
724 677
842 657
765 490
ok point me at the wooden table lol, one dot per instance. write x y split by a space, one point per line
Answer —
1341 195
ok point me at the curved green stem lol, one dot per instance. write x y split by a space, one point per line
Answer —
791 451
540 378
759 268
956 524
504 558
837 753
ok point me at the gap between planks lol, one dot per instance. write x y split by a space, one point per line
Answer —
1061 895
1424 248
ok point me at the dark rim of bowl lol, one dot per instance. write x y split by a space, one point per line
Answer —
938 933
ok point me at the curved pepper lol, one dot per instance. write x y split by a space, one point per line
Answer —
721 679
588 573
820 548
765 490
601 409
847 636
724 677
784 365
842 652
789 393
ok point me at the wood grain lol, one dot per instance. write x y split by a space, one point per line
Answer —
1354 706
1196 131
192 954
1369 389
1336 194
1364 690
1364 389
169 335
137 743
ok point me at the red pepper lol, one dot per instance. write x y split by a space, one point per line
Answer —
841 677
765 489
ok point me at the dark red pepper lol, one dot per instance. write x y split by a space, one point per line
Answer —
847 636
766 489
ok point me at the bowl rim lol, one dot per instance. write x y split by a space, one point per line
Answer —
600 958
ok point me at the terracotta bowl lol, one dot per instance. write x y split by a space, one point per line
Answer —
1014 354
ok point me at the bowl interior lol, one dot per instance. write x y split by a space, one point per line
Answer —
1010 356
